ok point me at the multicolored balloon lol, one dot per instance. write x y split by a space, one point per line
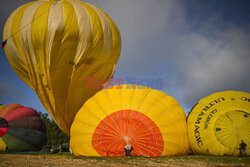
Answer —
54 46
152 122
219 122
21 129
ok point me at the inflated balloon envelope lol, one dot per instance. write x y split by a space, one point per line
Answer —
218 123
21 129
54 46
149 120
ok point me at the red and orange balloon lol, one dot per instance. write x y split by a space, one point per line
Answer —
21 129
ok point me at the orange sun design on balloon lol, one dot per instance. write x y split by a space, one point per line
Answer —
128 127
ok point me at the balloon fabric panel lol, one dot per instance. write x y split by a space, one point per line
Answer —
21 112
6 109
32 122
17 144
33 137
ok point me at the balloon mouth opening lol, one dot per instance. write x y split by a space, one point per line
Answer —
3 126
127 127
232 126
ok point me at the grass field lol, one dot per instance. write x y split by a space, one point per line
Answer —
66 159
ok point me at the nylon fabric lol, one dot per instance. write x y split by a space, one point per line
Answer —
13 47
218 123
231 128
17 144
31 122
21 129
6 109
2 145
59 45
163 111
33 137
21 112
3 127
146 138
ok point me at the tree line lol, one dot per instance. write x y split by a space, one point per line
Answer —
55 136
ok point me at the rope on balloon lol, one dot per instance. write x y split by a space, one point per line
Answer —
5 41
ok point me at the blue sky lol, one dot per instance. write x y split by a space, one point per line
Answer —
196 47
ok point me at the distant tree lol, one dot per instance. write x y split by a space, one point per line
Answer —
55 135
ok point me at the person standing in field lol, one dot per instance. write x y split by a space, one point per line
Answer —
243 147
128 148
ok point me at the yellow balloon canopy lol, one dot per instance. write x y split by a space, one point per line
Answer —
54 46
152 122
219 122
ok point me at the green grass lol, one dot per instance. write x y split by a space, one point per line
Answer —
160 160
225 159
208 159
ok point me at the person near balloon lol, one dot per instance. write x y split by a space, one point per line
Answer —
7 149
128 148
243 147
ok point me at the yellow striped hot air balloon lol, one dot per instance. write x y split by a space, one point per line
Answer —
219 122
152 122
54 46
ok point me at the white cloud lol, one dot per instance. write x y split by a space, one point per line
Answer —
212 64
160 41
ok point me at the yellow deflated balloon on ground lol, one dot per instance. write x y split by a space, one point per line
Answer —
219 122
152 122
54 46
